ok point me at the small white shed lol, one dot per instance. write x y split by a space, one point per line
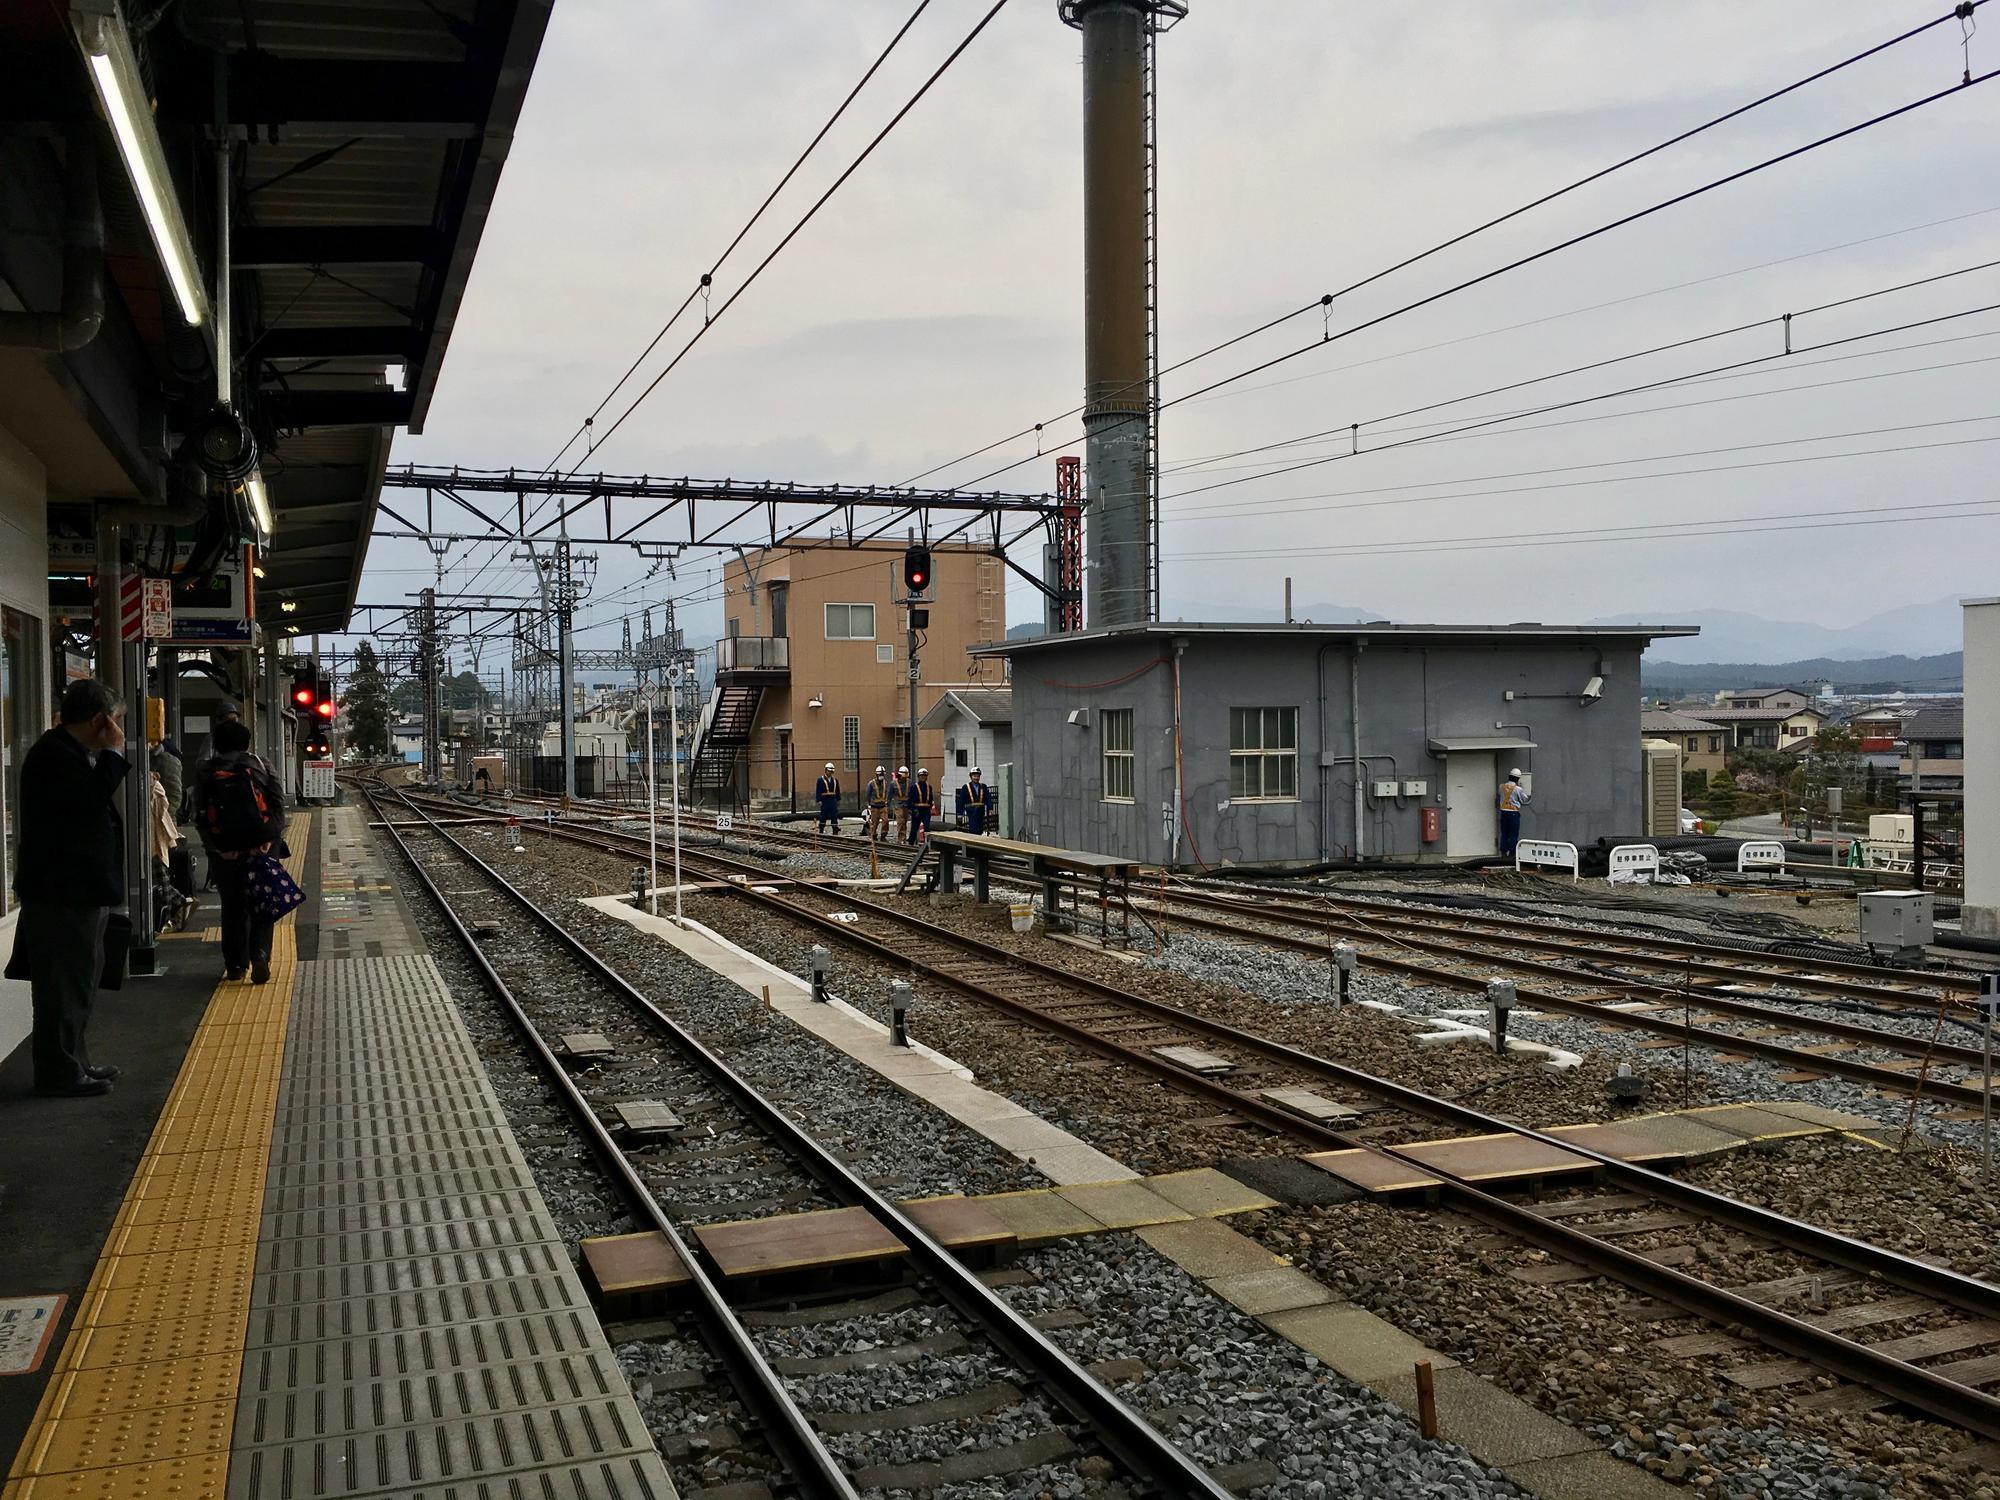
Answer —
978 725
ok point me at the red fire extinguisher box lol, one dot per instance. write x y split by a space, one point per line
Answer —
1431 821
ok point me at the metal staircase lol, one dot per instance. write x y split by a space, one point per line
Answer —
720 740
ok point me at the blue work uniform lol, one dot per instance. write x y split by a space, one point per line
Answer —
827 791
1512 799
978 800
923 802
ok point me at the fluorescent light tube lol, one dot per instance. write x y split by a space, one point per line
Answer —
115 71
260 502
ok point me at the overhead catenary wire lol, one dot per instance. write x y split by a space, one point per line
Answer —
793 233
706 280
1748 525
1519 262
1328 298
1777 319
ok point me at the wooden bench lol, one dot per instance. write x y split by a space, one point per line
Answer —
1053 868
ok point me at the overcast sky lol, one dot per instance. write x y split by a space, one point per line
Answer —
935 304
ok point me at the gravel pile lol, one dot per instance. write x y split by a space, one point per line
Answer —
1236 1393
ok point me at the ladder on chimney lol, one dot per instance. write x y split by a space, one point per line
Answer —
1151 76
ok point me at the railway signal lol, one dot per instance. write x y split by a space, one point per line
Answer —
916 569
304 688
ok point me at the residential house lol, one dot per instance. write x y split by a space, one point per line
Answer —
1779 697
1704 745
1778 727
1934 750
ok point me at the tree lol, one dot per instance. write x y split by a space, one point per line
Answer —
367 703
465 691
1722 796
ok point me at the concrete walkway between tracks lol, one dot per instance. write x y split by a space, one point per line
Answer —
1179 1215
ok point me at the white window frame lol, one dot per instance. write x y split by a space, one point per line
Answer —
1263 753
850 741
1107 754
826 619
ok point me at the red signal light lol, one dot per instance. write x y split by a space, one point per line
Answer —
324 709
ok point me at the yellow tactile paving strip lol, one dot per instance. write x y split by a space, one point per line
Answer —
143 1399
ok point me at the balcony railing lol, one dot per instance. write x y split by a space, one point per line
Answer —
769 654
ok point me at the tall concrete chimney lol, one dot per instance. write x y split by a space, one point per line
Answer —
1117 493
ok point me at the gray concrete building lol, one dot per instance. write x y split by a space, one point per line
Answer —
1294 744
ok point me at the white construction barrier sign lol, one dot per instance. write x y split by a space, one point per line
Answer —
1547 852
1761 854
1638 863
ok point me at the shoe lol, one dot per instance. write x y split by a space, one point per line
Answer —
233 976
106 1073
83 1088
260 971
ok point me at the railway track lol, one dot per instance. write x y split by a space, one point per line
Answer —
756 1138
1879 1290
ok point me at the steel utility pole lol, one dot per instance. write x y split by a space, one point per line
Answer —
427 677
566 665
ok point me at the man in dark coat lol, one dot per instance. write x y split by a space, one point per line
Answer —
240 811
69 873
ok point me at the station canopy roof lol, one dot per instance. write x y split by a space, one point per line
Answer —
367 143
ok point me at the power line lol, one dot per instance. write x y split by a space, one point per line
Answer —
1960 510
707 279
1784 320
1536 489
1696 381
1529 259
1328 298
1576 401
819 203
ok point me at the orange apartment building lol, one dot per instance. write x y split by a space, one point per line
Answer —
814 667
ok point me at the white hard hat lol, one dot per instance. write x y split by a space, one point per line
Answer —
902 770
878 770
975 770
923 770
1515 774
829 765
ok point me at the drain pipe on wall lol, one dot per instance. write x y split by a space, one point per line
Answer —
1325 767
1180 784
1354 728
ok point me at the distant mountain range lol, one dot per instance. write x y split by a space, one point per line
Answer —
1736 636
1874 674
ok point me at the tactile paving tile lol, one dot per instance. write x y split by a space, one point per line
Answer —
462 1452
416 1326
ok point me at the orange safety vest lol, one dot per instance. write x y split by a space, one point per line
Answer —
878 793
978 794
827 786
1512 798
923 797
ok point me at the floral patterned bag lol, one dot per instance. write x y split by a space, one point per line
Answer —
273 892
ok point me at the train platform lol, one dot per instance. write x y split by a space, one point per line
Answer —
297 1250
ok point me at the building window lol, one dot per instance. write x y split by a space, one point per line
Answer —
1715 744
884 655
1263 753
1115 735
850 741
850 622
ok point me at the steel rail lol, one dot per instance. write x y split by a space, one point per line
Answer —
788 1430
1876 1074
1140 1447
1722 962
1899 1380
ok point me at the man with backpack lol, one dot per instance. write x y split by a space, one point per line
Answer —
240 811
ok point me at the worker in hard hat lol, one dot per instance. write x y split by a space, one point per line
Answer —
922 803
978 803
1513 799
826 791
875 805
899 803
